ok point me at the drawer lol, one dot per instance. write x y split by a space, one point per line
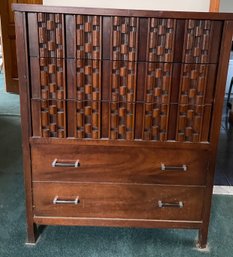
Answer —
115 164
118 201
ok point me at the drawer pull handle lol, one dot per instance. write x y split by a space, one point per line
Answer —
75 164
57 201
175 204
174 168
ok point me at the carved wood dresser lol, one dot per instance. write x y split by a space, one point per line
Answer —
121 114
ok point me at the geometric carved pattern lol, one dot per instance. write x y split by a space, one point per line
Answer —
122 120
88 37
161 40
87 119
193 84
123 81
88 96
155 122
50 30
52 78
189 122
158 83
88 79
124 38
196 48
53 118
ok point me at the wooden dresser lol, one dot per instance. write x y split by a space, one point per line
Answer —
121 114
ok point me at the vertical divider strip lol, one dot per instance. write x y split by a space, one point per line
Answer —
105 74
175 83
34 68
70 53
142 52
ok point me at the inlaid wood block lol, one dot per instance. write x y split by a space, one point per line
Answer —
155 121
88 36
161 37
158 83
123 81
124 38
50 31
190 118
52 76
122 120
87 119
197 41
88 79
193 84
53 118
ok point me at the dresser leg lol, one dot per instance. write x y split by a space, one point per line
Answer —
32 234
202 238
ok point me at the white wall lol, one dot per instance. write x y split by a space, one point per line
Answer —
175 5
226 6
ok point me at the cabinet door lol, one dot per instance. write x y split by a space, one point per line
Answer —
8 40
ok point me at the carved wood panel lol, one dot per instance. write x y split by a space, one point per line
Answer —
88 79
193 84
88 37
52 78
158 83
124 38
190 119
197 41
155 121
87 119
122 120
102 86
51 35
53 118
161 40
123 81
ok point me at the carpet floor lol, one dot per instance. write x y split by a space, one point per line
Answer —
93 241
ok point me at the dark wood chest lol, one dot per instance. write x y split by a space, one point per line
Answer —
121 113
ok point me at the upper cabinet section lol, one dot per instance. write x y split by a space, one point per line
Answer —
100 37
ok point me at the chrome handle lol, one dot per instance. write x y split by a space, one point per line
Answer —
57 201
174 204
75 164
174 168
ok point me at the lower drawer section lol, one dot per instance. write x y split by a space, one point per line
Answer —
114 164
118 201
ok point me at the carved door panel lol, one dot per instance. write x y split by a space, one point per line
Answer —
140 84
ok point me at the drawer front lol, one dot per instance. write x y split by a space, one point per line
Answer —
125 38
119 164
79 105
118 201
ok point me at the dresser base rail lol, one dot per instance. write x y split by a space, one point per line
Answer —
42 221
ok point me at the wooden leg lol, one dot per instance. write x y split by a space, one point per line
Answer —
202 238
32 234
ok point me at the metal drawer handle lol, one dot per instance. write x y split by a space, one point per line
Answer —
174 204
181 168
57 201
75 164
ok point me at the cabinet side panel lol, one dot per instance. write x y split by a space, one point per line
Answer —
224 54
22 54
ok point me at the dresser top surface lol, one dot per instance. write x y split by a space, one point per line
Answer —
121 12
